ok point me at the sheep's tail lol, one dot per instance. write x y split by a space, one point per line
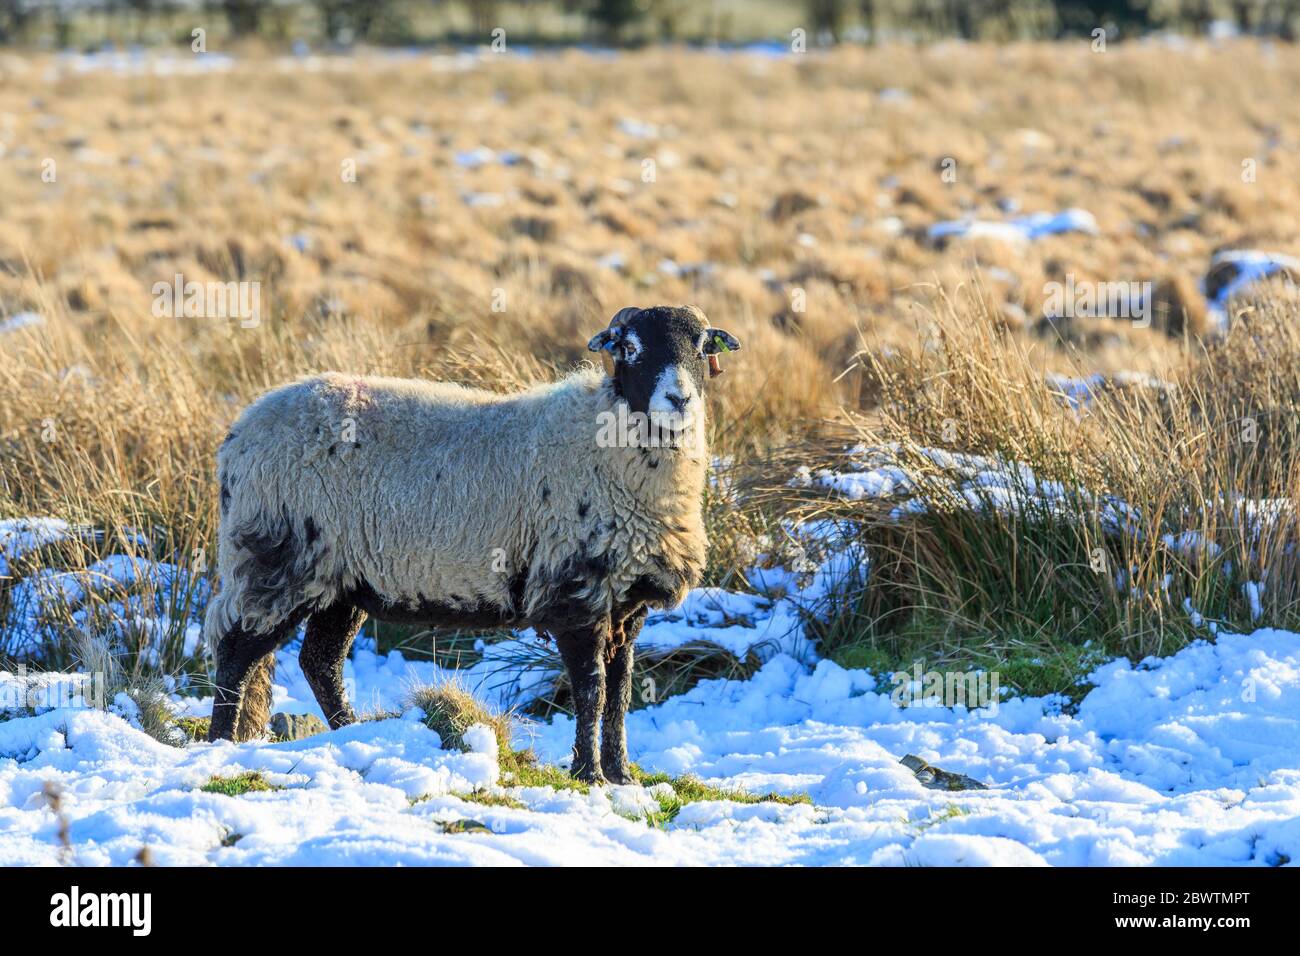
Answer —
255 707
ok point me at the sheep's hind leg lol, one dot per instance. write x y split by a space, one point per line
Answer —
330 633
583 653
239 653
618 698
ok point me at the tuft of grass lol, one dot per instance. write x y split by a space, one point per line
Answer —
486 798
1031 664
691 789
194 728
449 648
250 781
155 711
528 772
950 812
966 572
1061 669
684 789
670 672
450 710
489 798
149 692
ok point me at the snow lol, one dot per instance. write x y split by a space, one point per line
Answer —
482 156
739 623
480 200
1081 392
614 261
139 62
1247 267
21 536
1188 759
1254 591
21 320
1018 230
39 596
1183 760
979 483
638 129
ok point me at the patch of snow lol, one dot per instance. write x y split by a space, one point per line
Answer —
484 156
133 592
1254 591
638 129
1018 230
140 62
614 261
978 482
1245 267
20 536
479 200
1080 393
21 320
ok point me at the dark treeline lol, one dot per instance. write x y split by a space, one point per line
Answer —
1050 19
65 23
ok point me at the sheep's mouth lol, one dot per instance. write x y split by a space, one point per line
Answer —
671 423
670 436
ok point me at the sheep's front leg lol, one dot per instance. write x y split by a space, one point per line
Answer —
583 653
618 698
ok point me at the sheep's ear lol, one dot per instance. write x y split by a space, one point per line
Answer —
604 340
720 340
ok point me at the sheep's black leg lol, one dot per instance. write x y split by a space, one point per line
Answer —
583 653
237 654
618 697
330 633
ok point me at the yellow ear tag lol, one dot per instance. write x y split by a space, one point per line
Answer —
721 343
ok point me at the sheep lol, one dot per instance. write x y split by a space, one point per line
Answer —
571 507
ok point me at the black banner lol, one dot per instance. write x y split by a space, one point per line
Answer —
140 904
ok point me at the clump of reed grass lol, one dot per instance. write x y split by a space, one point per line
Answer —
1166 512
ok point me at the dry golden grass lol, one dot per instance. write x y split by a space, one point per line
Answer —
217 176
1145 514
450 710
770 177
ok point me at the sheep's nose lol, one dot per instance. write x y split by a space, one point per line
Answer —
677 401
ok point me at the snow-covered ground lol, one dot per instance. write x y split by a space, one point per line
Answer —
1188 759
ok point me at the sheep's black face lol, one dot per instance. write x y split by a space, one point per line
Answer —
661 359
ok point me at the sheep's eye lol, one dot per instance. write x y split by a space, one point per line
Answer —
630 350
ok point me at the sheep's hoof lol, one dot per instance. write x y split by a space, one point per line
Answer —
621 776
591 777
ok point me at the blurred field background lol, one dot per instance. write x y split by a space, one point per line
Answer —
69 22
448 211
